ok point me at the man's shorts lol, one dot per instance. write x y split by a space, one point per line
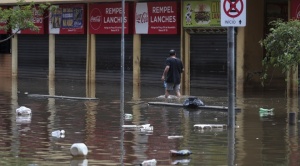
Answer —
172 86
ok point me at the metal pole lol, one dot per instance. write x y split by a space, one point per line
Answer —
122 84
231 74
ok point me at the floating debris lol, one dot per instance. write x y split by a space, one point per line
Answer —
210 126
175 136
23 111
79 149
180 152
263 112
147 129
58 133
149 163
128 116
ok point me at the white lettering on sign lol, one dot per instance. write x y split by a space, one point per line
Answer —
162 19
113 11
114 19
95 19
162 9
142 18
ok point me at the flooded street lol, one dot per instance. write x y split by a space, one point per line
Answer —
27 141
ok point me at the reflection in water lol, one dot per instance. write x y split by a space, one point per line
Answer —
28 141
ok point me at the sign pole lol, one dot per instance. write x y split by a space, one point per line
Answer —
122 83
231 74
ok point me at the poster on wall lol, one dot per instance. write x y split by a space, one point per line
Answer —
106 18
156 18
38 20
203 13
295 9
67 19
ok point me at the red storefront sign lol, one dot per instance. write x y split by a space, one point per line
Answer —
295 9
68 19
156 18
38 21
106 18
3 23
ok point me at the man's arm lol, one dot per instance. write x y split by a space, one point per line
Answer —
165 72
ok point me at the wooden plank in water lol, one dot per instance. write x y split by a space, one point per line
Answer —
199 107
61 97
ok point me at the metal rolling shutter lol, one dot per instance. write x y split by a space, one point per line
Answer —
208 56
70 57
33 56
5 46
108 60
154 51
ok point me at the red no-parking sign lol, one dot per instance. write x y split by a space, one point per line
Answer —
233 13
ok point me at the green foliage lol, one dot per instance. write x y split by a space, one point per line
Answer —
282 46
21 16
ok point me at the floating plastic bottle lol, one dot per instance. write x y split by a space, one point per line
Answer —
149 163
180 152
58 133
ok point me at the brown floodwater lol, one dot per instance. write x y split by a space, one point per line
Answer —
98 123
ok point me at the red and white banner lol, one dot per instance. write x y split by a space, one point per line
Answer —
68 19
156 18
295 9
106 18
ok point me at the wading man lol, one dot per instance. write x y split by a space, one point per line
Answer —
172 74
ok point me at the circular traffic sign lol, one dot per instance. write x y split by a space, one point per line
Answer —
233 8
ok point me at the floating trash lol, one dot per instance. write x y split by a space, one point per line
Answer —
210 126
263 112
79 149
58 133
149 163
175 136
128 116
193 102
180 152
147 129
23 111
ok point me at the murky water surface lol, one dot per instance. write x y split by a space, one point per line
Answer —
97 123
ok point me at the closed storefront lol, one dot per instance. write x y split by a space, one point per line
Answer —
154 51
33 56
70 56
108 58
208 61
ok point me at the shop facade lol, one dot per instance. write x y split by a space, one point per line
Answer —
88 45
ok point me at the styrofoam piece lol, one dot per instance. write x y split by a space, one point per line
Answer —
23 111
79 149
211 126
175 136
151 162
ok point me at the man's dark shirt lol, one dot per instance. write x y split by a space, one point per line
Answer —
176 67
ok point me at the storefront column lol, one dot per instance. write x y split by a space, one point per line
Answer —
91 65
51 57
14 54
136 67
186 62
240 54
